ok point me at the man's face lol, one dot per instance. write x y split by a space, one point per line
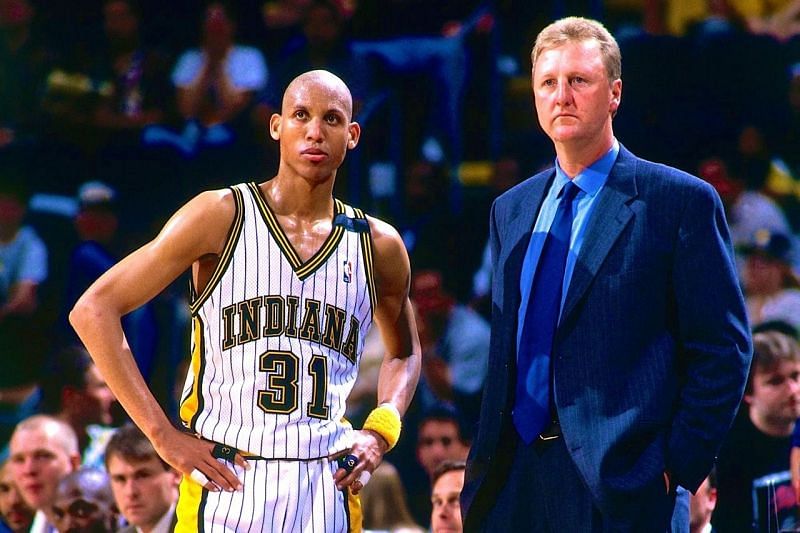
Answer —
775 394
82 511
37 463
16 514
437 441
98 397
143 490
701 505
763 274
574 98
446 515
314 129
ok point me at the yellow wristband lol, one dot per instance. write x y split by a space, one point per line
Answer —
385 421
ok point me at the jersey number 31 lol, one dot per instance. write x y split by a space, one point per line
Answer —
280 396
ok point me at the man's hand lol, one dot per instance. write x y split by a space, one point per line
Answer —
368 449
193 457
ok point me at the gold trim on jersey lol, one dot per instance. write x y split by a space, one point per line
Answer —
366 249
227 252
191 501
193 403
301 269
354 512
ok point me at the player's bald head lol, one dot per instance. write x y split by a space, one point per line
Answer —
332 86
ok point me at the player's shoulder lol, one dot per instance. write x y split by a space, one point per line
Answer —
208 216
384 235
214 203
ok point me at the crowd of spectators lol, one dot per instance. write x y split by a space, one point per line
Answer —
114 112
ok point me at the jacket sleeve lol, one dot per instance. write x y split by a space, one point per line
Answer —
715 347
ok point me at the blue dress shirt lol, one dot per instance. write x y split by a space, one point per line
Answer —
590 181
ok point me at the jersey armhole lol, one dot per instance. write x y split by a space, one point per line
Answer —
225 258
366 250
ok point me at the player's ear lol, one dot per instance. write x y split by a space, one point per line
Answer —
275 126
354 130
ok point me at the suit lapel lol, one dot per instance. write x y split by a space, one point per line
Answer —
610 216
518 235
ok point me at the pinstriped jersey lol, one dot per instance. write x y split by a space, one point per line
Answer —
276 341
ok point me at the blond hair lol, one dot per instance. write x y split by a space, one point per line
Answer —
383 501
578 29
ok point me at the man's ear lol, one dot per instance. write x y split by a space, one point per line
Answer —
747 398
355 134
616 96
275 126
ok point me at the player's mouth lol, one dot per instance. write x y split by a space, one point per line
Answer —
315 155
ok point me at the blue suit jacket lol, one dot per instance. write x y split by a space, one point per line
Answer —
652 353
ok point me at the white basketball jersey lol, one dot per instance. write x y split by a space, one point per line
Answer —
276 341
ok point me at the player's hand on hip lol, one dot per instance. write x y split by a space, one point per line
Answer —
358 463
194 458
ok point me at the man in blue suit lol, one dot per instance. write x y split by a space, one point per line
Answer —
620 346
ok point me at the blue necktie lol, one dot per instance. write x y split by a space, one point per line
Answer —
532 402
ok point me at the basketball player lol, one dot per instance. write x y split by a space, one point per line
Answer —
286 280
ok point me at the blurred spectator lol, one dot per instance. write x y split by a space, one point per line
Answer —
448 480
145 487
440 437
321 45
790 143
455 346
84 503
702 504
426 226
777 18
137 75
43 450
23 267
761 432
69 138
216 85
772 288
97 225
16 514
140 94
763 169
383 502
76 393
23 66
748 208
706 16
282 20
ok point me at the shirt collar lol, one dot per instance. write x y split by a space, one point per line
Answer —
592 178
163 524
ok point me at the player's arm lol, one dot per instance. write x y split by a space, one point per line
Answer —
197 230
394 316
400 368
